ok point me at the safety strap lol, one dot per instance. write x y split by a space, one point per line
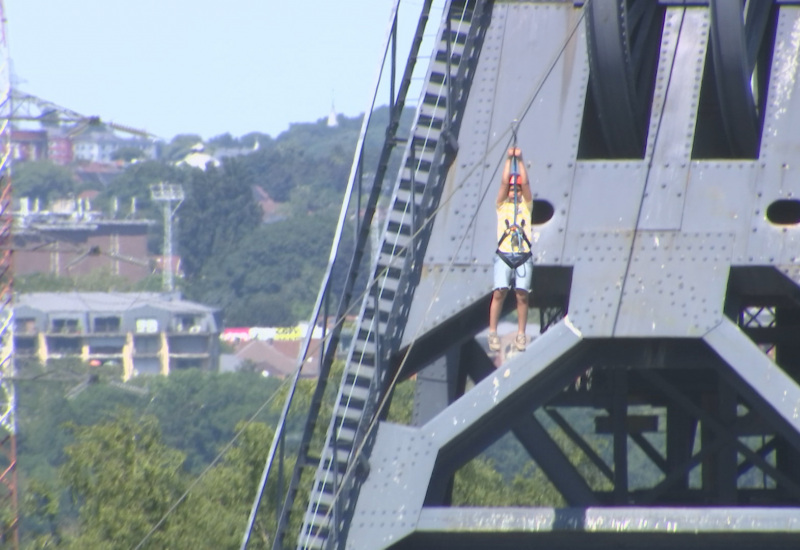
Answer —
514 259
514 229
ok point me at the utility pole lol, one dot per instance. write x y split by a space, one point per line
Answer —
167 193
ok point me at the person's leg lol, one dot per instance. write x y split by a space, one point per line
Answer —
502 282
498 297
522 310
522 284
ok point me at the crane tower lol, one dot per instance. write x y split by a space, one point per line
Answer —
167 194
8 429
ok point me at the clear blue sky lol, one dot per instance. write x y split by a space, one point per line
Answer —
199 66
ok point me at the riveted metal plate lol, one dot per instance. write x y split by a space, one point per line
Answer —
392 495
442 293
600 260
685 30
675 284
721 197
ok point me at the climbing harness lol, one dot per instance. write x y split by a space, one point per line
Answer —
517 256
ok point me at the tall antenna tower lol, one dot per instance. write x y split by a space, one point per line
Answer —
167 193
9 534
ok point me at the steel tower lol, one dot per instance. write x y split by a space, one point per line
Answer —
662 141
8 442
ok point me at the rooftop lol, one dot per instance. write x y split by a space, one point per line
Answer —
107 301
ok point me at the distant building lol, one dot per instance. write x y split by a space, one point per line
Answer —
71 240
197 157
100 147
28 145
228 152
59 149
274 351
62 148
144 332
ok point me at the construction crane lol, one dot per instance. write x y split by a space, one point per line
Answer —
30 108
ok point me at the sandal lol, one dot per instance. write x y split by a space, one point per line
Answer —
521 341
494 341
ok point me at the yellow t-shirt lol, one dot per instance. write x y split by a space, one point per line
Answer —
505 212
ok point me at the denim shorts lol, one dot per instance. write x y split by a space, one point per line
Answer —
503 275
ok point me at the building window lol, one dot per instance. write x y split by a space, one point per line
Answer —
107 324
66 326
105 350
147 345
25 325
64 346
25 346
146 326
187 323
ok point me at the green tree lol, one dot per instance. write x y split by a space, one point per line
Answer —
218 212
215 403
134 183
217 508
272 277
43 180
124 479
180 146
100 280
132 490
128 154
41 513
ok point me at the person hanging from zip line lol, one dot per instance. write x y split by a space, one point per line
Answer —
513 260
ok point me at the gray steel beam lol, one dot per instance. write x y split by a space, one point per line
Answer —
765 385
404 459
544 451
606 528
551 459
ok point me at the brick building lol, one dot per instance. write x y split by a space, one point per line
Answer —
70 248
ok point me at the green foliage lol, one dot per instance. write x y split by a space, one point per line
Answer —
255 289
135 182
128 457
114 464
247 141
99 280
43 180
40 513
218 212
214 402
216 510
128 154
478 483
180 146
133 491
311 158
